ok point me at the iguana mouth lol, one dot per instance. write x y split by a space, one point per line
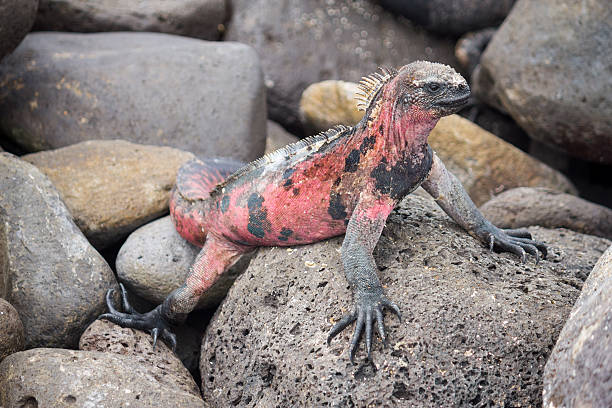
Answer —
454 101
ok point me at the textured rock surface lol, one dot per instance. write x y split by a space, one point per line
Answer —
477 329
522 207
112 187
549 67
452 16
328 103
278 137
155 260
68 378
202 97
48 270
16 19
12 338
305 41
108 337
191 18
579 370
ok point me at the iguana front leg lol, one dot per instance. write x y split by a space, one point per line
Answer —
454 200
362 233
216 257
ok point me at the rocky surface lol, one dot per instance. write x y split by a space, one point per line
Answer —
453 17
477 329
155 260
278 137
48 271
108 337
69 378
192 18
16 19
12 337
112 187
548 66
579 370
305 41
141 87
328 103
522 207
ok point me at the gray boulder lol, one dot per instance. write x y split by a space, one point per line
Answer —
525 206
111 187
305 41
68 378
12 337
453 17
192 18
48 271
477 326
16 19
278 137
202 97
579 370
155 260
549 67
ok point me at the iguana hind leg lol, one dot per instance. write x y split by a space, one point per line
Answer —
216 257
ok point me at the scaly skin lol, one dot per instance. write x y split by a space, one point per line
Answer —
345 181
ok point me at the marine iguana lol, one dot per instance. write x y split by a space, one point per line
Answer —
346 180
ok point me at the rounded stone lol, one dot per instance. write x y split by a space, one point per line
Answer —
16 19
12 337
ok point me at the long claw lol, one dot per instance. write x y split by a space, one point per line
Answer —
540 245
124 300
491 242
356 335
380 326
394 308
368 327
341 325
154 333
169 338
532 250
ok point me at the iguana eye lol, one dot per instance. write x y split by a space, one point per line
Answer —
433 87
406 100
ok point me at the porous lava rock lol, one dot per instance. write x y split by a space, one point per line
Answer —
477 326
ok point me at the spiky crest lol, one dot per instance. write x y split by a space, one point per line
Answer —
310 144
370 85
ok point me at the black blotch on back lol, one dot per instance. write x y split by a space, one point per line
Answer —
225 202
288 184
352 161
288 172
367 144
285 234
296 191
403 177
258 216
336 209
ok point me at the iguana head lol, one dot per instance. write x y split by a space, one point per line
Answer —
407 103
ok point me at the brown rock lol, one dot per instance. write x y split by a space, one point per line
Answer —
522 207
112 187
12 337
68 378
329 103
579 370
485 164
108 337
278 137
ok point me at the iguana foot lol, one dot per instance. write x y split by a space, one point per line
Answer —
152 321
368 308
516 241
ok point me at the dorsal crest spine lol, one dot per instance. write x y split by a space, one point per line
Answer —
370 85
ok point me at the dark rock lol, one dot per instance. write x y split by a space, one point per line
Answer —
16 19
477 326
305 41
12 337
579 370
548 66
454 17
155 260
112 187
203 97
68 378
470 47
49 272
523 207
108 337
192 18
278 137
